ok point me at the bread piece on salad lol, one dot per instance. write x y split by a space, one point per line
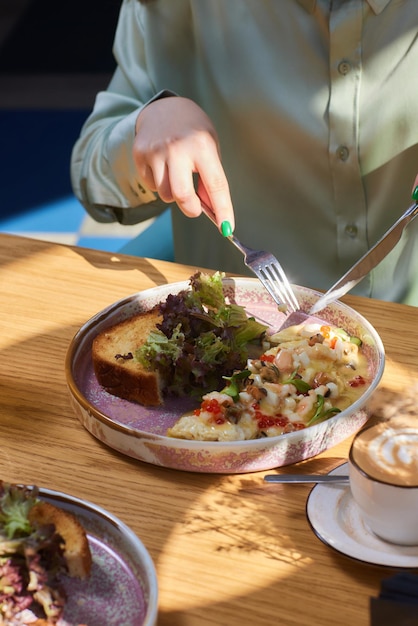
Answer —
114 364
77 553
185 346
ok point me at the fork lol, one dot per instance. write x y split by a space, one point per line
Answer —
266 267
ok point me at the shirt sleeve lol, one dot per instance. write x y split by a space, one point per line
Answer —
103 173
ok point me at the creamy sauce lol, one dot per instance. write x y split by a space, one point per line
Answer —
309 374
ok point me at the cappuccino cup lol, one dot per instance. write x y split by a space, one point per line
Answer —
383 470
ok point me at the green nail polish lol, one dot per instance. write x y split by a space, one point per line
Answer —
415 193
226 229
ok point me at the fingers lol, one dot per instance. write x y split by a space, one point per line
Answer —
176 140
170 174
180 171
213 188
203 159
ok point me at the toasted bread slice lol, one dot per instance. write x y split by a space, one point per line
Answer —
76 550
116 369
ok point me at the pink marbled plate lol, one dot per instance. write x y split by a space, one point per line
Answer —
122 587
139 432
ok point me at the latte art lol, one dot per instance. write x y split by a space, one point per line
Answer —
389 451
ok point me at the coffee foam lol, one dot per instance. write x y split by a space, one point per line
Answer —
389 451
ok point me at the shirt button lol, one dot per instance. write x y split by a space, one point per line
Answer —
351 230
344 67
343 153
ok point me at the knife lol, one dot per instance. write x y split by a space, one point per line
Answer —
306 478
369 260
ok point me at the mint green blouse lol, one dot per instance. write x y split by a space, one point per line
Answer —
316 106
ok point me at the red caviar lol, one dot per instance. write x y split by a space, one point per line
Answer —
212 406
267 358
357 381
267 421
209 406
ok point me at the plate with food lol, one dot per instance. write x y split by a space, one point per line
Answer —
68 562
207 375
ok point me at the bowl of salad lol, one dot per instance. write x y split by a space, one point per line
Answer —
293 392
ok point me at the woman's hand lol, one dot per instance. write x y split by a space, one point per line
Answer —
174 140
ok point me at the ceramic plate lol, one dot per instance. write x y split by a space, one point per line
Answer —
336 520
140 432
122 587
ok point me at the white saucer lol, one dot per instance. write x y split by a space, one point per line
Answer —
336 520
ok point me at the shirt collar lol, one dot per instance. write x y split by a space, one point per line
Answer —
376 5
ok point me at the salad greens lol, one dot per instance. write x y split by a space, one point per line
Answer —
15 505
201 338
234 384
296 380
320 412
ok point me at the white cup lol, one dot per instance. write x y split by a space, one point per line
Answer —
383 470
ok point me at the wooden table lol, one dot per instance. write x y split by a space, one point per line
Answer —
229 550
